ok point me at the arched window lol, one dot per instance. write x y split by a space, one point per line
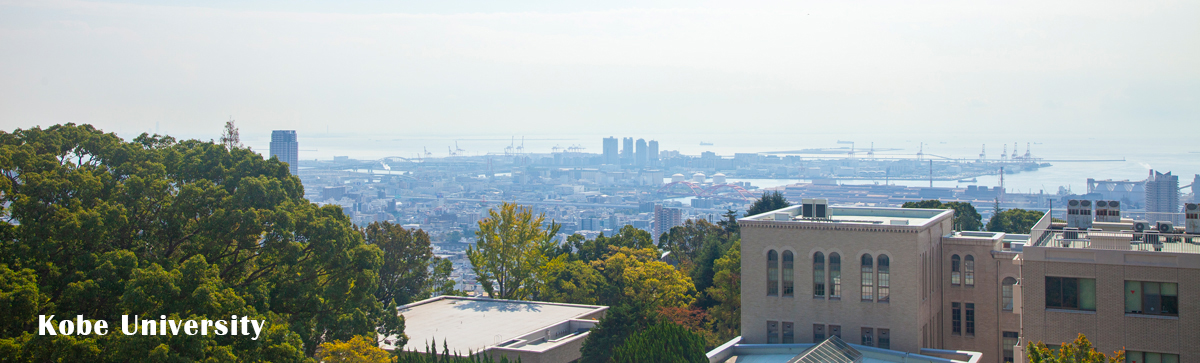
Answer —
884 272
835 276
787 274
868 278
819 275
970 271
1006 293
772 273
955 270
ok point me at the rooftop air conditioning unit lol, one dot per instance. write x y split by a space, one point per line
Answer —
1165 227
1079 214
809 209
1141 226
1192 213
821 208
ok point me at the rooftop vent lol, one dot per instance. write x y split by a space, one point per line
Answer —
815 208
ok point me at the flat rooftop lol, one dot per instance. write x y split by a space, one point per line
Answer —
882 216
474 324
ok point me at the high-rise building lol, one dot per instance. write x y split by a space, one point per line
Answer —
1162 198
1196 189
610 151
665 218
653 151
285 147
640 156
627 150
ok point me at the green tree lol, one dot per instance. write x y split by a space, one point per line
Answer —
359 349
638 276
510 248
1016 220
730 223
726 291
663 342
618 324
186 229
966 218
404 276
229 136
599 248
439 282
567 281
768 202
1079 351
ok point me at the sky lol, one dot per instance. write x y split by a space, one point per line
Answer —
490 68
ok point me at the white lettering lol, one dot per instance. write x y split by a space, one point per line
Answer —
85 327
258 326
46 325
233 326
101 327
125 325
66 327
190 327
221 328
204 324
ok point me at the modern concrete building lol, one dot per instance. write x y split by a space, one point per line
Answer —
535 332
1162 198
831 350
627 150
610 155
285 147
640 153
901 279
1122 289
653 151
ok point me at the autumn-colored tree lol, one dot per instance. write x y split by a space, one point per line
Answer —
638 275
511 246
359 349
1079 351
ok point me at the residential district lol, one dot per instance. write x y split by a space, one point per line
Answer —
1118 263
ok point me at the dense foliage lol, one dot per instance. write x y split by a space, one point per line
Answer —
966 218
1079 351
431 355
663 342
1016 220
359 349
768 202
511 246
92 225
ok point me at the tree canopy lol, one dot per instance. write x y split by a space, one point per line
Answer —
966 218
1079 351
1016 220
663 342
768 202
93 225
511 246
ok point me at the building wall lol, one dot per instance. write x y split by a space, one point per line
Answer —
991 320
1109 328
903 245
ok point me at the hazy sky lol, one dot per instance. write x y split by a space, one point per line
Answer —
504 68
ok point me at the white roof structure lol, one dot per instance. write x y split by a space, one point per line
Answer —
468 324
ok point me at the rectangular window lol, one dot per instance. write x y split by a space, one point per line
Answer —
867 279
885 338
970 319
1070 293
1156 298
868 337
1150 357
835 331
772 332
956 318
788 275
1009 341
789 333
818 333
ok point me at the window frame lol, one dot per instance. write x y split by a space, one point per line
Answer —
772 332
955 273
868 337
789 274
835 276
955 318
969 271
969 321
884 339
818 275
772 273
867 269
1006 293
1065 287
884 274
1167 303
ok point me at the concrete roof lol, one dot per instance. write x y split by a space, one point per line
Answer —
880 216
474 324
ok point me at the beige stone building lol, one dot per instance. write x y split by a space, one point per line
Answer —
901 279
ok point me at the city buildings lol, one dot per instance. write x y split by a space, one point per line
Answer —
640 154
664 219
285 147
901 279
627 151
610 151
534 332
1162 198
653 153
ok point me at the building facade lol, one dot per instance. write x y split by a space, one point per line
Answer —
286 149
1162 198
610 151
811 271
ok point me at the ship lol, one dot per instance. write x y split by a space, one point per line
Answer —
702 143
